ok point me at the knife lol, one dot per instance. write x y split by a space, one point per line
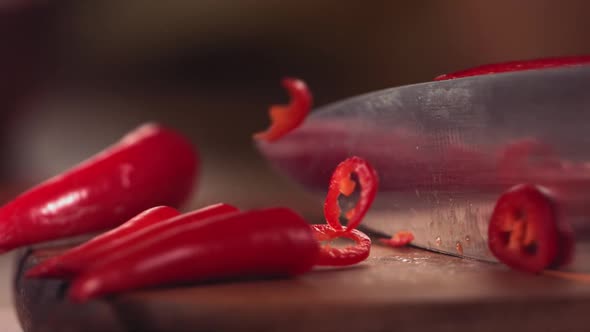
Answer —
444 151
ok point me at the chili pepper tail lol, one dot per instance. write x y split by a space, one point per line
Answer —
49 268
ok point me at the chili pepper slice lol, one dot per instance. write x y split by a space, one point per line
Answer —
352 175
517 66
150 166
144 226
285 118
335 256
269 242
523 232
399 239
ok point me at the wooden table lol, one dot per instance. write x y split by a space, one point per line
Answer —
394 290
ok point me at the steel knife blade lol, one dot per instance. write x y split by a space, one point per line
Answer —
442 150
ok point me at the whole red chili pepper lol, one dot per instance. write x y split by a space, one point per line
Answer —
144 226
148 167
270 242
285 118
352 175
517 66
525 231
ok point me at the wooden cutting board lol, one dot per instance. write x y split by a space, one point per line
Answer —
394 290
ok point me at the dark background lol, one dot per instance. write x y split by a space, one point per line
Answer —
76 75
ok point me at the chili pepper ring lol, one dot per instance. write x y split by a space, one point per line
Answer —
342 183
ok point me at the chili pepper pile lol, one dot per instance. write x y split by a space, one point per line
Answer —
161 246
146 225
268 242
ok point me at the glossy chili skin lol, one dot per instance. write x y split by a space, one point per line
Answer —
91 250
269 242
517 66
148 167
144 226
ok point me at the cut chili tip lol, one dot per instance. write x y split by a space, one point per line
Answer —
286 118
257 243
399 239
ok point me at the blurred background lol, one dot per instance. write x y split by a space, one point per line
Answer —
77 75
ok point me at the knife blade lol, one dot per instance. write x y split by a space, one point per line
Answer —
445 150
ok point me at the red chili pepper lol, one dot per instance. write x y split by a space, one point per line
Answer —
352 175
517 66
94 248
399 239
150 166
285 118
270 242
525 232
143 226
336 256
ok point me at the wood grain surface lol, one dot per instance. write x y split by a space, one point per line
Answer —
394 290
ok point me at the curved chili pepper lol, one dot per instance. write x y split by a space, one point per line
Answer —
144 226
352 175
270 242
285 118
336 256
91 250
525 232
399 239
517 66
148 167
